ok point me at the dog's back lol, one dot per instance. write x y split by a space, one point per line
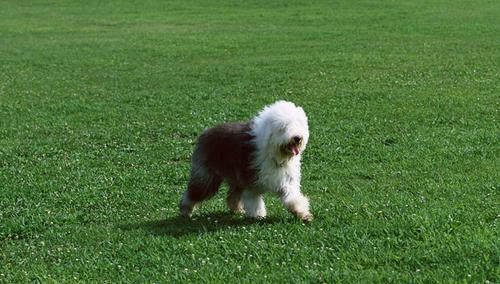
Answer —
226 150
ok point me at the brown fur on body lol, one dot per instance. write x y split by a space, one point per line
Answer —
222 153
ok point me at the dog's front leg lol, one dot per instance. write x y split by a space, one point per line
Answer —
253 204
297 203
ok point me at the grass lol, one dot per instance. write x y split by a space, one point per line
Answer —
101 102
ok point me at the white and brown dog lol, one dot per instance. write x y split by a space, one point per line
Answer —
256 157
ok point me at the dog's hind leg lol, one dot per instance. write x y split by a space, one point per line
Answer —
234 199
202 185
253 204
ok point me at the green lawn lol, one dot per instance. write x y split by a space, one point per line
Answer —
101 103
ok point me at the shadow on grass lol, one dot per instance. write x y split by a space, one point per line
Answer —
180 226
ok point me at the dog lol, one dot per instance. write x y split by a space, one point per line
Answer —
256 157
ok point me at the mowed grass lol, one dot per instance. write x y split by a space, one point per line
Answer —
101 103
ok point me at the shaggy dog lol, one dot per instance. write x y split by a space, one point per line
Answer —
256 157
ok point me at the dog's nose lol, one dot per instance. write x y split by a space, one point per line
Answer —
297 139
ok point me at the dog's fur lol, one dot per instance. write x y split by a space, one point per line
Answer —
260 156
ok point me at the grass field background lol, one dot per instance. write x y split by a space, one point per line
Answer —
101 103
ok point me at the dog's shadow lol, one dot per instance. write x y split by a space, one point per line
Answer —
180 226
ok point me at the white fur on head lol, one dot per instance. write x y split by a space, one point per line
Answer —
274 129
278 123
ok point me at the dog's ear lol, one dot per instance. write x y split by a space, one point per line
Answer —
269 137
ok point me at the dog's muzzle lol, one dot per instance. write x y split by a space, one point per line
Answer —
293 147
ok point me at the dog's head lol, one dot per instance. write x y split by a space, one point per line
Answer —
284 128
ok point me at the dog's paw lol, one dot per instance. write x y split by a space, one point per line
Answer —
238 210
306 217
259 215
186 211
258 218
